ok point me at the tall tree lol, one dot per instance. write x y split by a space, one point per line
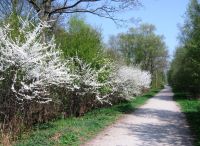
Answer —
184 74
80 40
143 47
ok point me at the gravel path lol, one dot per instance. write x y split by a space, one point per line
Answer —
157 123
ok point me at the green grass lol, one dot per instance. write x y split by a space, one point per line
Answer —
75 131
191 108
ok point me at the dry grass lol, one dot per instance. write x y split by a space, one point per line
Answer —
5 139
9 131
56 136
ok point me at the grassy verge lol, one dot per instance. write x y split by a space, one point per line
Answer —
191 108
74 131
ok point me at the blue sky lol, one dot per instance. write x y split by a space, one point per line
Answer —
166 15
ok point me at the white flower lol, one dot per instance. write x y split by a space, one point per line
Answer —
38 64
130 80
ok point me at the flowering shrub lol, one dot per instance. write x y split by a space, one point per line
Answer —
33 65
89 80
33 70
130 81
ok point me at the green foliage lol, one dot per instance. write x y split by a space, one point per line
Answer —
75 131
184 74
191 108
80 40
13 21
142 46
105 89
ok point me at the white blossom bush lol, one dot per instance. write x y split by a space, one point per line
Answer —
33 71
130 81
34 64
87 82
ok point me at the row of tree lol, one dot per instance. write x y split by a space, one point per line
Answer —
143 47
184 73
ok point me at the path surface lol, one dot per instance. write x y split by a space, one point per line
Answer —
157 123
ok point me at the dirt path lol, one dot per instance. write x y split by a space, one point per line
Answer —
157 123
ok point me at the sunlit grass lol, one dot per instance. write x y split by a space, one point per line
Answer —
191 108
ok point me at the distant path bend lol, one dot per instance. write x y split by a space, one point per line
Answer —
157 123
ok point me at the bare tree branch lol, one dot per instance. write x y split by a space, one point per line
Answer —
101 8
35 5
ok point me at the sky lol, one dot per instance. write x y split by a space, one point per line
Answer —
166 15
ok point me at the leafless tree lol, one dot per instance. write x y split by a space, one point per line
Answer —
52 9
49 10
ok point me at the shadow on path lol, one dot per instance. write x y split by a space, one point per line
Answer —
157 123
172 130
